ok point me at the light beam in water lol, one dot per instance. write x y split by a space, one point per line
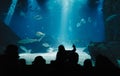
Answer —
11 12
64 19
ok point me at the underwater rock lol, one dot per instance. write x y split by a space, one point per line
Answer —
4 8
7 36
109 49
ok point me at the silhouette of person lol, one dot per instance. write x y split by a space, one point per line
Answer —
67 56
9 61
72 56
39 66
87 64
88 68
11 54
60 56
39 60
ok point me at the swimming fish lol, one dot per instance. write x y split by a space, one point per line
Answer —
27 40
45 45
78 25
30 40
38 17
25 49
82 21
39 34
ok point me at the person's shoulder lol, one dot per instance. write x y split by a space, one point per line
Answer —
76 53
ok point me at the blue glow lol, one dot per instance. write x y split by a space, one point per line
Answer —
67 21
64 19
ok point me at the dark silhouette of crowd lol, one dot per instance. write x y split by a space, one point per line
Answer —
66 63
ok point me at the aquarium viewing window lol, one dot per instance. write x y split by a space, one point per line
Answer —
48 23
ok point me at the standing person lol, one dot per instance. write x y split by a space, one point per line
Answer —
72 56
60 57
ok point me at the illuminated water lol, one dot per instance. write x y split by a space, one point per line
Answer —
42 25
61 21
29 57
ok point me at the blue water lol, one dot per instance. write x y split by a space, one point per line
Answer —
65 21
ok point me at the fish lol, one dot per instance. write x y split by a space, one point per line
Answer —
27 40
38 17
82 21
50 49
78 25
25 49
39 34
45 45
30 40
